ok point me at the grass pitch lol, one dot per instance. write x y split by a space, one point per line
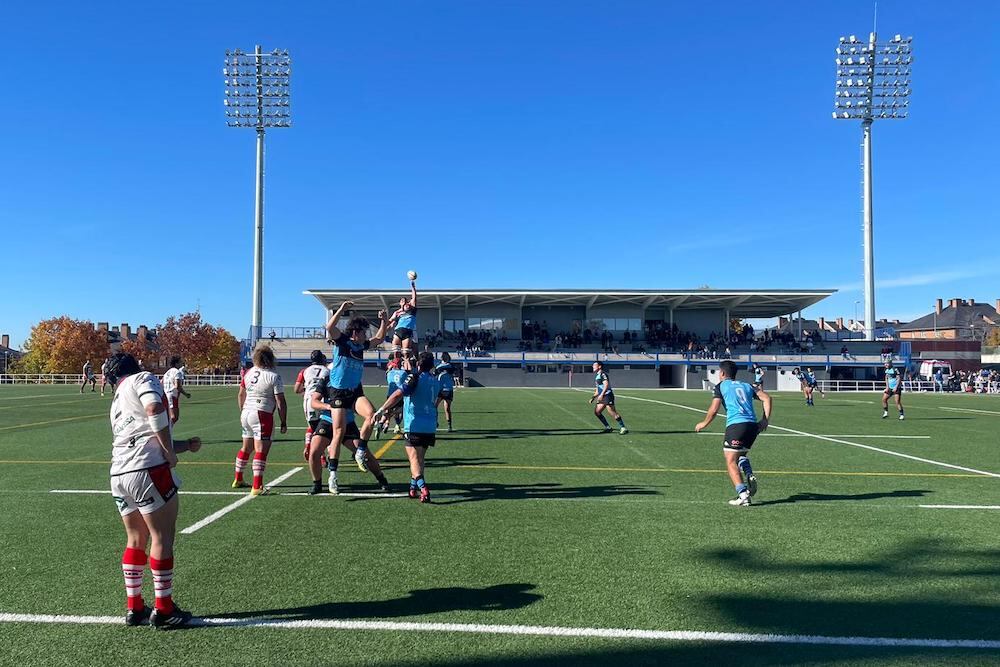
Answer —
538 520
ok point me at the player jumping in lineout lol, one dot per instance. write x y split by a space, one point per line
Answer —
893 387
405 317
742 428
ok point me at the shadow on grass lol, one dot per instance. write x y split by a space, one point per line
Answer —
417 603
453 494
826 497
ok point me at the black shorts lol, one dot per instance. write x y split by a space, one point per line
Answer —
322 428
447 394
403 333
813 385
420 439
344 399
894 392
740 437
351 431
609 399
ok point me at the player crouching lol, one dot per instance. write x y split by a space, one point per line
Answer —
144 486
419 391
742 428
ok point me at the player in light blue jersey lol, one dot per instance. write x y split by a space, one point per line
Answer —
405 333
393 379
605 397
742 428
419 391
346 370
758 375
445 373
893 387
808 384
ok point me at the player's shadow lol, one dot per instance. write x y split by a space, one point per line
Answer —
453 494
444 462
509 433
826 497
416 603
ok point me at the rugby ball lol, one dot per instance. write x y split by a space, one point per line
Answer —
412 275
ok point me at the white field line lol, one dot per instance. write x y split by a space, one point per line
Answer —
961 507
532 630
183 493
829 439
981 412
352 494
796 435
229 508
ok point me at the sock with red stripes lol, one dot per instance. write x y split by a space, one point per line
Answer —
241 463
259 463
309 435
133 566
163 583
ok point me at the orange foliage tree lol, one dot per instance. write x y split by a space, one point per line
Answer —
142 349
203 347
62 345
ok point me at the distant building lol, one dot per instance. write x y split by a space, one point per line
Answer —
958 320
8 355
837 329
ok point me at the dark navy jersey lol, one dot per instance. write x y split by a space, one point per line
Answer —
348 362
420 394
446 375
737 397
602 380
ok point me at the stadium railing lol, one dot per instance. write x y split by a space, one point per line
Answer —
76 379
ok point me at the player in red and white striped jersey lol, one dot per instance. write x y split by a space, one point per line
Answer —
261 392
144 486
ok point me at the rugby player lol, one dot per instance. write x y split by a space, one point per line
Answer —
446 376
393 376
173 384
742 428
419 392
893 387
88 376
758 375
263 391
605 397
144 487
104 376
405 333
346 372
306 382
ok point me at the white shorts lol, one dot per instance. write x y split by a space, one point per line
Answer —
257 424
144 490
172 400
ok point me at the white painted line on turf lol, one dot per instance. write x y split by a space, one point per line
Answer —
183 493
532 630
828 439
980 412
796 435
348 494
961 507
353 494
229 508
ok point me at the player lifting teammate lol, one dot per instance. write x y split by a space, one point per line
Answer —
405 318
893 387
346 373
173 384
605 397
262 392
446 376
742 428
144 487
393 377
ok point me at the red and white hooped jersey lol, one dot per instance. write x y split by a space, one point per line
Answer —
135 446
262 385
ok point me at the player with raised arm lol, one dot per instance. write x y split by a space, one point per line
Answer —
88 376
393 376
144 487
419 392
346 372
758 375
446 376
305 383
262 393
742 428
173 384
605 397
405 317
893 387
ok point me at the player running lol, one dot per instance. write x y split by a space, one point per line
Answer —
893 387
144 486
346 373
308 379
446 376
605 397
419 392
173 384
405 317
742 428
758 375
88 376
263 391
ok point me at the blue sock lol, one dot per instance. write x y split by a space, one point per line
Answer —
413 483
420 482
604 421
744 464
332 464
621 422
740 488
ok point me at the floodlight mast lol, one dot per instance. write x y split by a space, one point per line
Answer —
257 96
873 82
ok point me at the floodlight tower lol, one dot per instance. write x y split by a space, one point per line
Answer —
257 96
873 83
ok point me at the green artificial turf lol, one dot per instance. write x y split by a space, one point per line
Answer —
537 520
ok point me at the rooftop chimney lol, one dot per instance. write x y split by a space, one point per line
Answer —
939 305
126 331
143 331
102 326
5 340
822 323
972 301
840 322
954 303
998 305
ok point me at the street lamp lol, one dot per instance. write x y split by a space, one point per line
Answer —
873 83
257 96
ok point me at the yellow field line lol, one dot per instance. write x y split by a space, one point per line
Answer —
384 448
52 421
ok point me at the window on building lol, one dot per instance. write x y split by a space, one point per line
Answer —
454 325
485 323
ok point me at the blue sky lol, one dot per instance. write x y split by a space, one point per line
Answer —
522 144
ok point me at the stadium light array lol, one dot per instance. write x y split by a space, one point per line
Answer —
258 96
873 83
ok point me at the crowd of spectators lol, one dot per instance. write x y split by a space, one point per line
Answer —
983 381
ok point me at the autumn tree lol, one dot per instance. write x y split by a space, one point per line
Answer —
142 349
203 347
62 345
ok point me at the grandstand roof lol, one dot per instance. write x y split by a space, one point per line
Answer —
741 303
